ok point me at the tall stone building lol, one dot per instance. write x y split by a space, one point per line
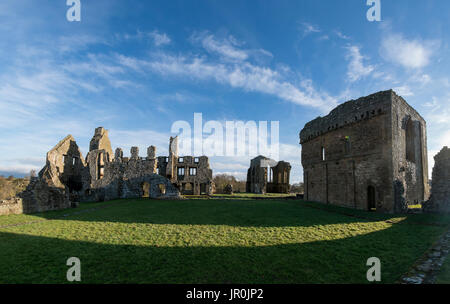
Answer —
266 175
369 153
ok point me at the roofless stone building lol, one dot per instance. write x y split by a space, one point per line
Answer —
68 178
369 153
266 175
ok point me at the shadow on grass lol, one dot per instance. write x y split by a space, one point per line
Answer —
36 259
240 213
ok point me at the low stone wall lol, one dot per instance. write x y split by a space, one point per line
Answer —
11 206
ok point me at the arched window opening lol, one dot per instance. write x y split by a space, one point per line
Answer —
409 137
100 166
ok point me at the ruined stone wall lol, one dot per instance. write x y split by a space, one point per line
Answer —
280 178
199 182
346 155
64 165
266 175
440 189
126 177
409 151
201 178
257 174
67 178
100 141
51 191
11 206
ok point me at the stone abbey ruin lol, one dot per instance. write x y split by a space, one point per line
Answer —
371 154
68 178
266 175
368 154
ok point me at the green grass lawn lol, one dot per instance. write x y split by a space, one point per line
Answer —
444 275
254 195
212 241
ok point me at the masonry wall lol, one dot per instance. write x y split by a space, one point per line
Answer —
11 206
440 198
347 153
375 151
189 184
125 177
266 175
409 152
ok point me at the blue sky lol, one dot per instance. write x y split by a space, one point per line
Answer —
135 67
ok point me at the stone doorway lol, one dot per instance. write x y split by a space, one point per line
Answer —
202 188
145 190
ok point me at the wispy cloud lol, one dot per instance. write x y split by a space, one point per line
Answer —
341 35
409 53
356 67
226 47
404 91
159 38
308 28
156 37
244 75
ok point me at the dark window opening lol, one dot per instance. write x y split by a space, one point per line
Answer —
371 199
409 137
347 146
100 166
74 183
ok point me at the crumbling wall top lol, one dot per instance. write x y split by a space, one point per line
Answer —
347 113
100 141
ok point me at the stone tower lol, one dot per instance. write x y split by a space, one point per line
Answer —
369 153
100 141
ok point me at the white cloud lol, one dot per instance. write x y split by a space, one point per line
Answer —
408 53
308 28
356 68
341 35
404 91
159 38
423 79
243 75
226 48
439 111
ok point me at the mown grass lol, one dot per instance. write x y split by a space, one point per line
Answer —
254 195
211 241
444 274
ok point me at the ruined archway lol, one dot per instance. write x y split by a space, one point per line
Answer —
145 190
